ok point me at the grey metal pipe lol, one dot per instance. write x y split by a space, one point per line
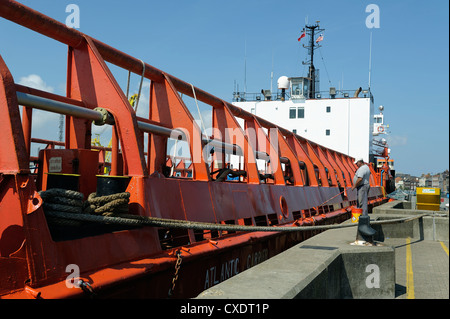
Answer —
178 134
54 106
42 103
227 147
161 130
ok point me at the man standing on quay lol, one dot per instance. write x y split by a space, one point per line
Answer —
362 185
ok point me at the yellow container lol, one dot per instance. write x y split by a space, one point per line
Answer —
356 212
428 198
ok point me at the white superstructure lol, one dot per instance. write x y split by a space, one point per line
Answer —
342 121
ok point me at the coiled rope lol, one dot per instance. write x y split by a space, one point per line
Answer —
61 201
102 210
109 204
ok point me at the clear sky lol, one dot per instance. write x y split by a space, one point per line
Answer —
205 42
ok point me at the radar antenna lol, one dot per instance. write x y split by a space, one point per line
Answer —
312 30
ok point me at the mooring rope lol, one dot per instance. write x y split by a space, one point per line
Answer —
134 220
112 209
116 203
170 223
58 200
62 200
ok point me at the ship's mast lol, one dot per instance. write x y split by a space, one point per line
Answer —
312 30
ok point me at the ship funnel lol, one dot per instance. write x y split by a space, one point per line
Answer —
357 92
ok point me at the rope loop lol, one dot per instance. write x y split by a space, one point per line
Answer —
112 204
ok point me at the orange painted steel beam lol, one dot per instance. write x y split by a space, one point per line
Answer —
347 169
317 162
261 142
27 116
348 164
77 131
286 151
114 153
224 121
167 108
303 156
326 164
13 156
343 174
93 82
338 171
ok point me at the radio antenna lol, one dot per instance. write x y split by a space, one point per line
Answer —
245 66
370 58
271 75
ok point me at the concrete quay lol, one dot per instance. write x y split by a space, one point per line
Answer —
421 250
411 261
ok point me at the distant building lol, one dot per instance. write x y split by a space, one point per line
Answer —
410 183
399 182
445 182
437 181
425 180
422 181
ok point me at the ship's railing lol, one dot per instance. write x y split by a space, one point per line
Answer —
245 97
336 94
330 94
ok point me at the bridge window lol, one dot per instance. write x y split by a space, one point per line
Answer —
298 112
292 112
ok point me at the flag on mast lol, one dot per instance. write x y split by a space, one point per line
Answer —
320 38
302 35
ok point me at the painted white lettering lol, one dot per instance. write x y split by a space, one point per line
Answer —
73 19
373 19
227 270
197 309
206 280
373 280
71 280
214 278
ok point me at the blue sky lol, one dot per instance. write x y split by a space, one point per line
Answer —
205 42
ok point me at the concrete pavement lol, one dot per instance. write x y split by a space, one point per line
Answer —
421 268
412 262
